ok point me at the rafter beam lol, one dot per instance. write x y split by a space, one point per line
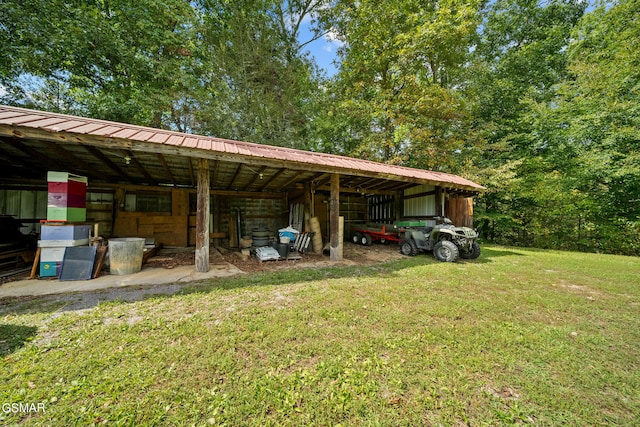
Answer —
75 160
102 157
325 180
273 178
258 175
17 160
382 185
362 192
166 167
140 167
296 178
39 157
236 175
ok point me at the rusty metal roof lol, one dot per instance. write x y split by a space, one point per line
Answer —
110 141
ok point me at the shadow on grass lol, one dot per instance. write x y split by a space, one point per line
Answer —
85 300
12 337
489 253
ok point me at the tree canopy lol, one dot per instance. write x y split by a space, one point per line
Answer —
536 100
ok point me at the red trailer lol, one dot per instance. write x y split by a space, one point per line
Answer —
364 234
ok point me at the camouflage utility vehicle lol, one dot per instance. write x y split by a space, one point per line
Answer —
447 241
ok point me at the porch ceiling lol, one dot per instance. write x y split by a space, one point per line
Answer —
34 142
27 159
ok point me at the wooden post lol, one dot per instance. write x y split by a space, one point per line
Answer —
216 219
334 218
202 217
36 262
308 206
399 206
439 211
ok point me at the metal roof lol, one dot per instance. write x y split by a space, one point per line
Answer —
33 141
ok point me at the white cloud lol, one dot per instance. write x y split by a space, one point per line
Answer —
333 41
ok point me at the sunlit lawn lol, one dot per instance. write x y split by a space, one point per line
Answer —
516 337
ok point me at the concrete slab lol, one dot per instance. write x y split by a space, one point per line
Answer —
148 276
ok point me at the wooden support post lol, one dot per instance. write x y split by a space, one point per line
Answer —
216 219
36 262
439 211
202 217
334 219
399 206
308 205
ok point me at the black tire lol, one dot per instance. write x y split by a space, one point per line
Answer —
446 251
355 238
366 239
473 253
408 247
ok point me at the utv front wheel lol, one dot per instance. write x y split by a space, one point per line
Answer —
408 247
445 251
473 253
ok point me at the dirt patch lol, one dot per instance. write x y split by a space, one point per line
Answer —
579 289
353 255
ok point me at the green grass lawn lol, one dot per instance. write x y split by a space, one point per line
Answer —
518 336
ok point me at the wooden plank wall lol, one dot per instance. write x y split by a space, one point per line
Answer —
353 207
170 229
165 228
460 211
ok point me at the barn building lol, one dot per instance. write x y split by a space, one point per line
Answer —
190 190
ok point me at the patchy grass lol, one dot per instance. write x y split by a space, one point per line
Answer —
516 337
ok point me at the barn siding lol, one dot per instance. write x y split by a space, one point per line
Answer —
419 206
460 211
26 205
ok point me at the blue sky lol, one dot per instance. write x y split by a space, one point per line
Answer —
324 50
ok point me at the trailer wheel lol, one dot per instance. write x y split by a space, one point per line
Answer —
355 238
366 239
408 247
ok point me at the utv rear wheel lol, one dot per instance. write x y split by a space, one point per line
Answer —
408 247
473 253
445 251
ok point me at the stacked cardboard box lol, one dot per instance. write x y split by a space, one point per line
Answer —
67 199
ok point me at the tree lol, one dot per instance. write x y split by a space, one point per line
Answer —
598 117
122 60
230 69
397 98
258 83
520 58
